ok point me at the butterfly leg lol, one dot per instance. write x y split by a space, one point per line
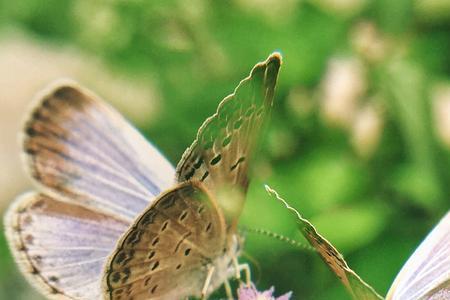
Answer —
207 282
246 269
228 291
242 267
236 268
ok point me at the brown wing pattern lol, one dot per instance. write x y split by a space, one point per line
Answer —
60 247
220 154
166 253
82 151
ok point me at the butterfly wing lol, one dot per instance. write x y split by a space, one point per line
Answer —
80 150
60 247
220 154
426 274
96 174
219 159
165 253
358 289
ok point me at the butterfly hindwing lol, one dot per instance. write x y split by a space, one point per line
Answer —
165 253
60 247
225 142
81 150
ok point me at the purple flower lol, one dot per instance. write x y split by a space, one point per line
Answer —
251 293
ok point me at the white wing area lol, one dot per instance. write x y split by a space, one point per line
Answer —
426 275
80 150
60 247
95 174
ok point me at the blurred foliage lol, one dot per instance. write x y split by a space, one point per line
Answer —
373 184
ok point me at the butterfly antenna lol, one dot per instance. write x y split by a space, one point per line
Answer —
280 237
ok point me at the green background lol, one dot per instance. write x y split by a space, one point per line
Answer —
375 205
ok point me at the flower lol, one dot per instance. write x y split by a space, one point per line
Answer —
367 129
251 293
441 108
344 84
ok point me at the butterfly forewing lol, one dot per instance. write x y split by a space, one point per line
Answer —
61 247
335 261
358 289
426 274
166 252
225 142
82 151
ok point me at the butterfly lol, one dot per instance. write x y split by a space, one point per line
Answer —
112 218
426 274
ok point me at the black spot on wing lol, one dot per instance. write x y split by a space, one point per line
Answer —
216 159
239 161
226 141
